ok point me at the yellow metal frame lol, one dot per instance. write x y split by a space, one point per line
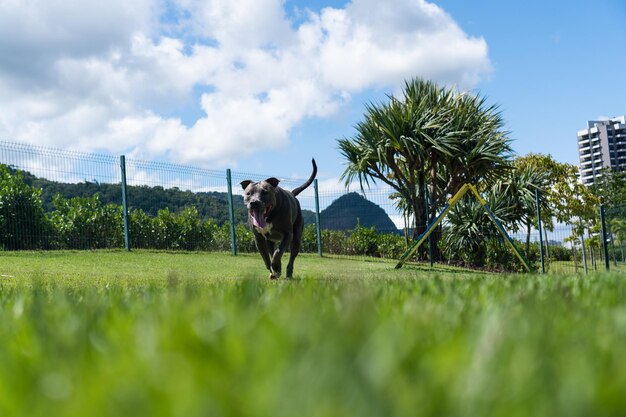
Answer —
451 203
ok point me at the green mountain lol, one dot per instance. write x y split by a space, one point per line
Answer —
351 209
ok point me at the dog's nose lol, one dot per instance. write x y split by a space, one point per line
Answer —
256 204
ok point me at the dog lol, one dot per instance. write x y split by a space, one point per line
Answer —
276 219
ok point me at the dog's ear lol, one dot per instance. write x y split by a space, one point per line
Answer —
244 184
273 181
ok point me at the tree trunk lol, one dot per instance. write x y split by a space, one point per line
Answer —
419 208
437 233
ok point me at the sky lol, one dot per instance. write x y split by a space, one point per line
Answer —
265 85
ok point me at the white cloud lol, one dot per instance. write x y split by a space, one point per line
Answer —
116 76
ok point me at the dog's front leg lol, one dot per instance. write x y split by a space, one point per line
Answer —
278 254
261 245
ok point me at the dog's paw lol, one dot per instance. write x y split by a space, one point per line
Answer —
274 274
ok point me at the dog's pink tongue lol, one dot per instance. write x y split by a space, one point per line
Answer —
257 219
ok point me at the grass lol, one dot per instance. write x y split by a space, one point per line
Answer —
190 334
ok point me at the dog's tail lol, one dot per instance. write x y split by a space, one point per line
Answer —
308 182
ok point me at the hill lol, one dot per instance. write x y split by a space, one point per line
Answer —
351 209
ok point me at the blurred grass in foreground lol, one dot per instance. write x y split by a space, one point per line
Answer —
162 334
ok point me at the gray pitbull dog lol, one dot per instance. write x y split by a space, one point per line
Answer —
276 218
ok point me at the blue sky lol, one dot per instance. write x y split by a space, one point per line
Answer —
264 85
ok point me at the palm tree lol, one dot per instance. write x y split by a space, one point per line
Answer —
390 145
432 137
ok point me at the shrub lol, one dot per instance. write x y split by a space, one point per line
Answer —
499 256
363 241
23 224
189 230
334 242
84 223
391 245
209 230
309 239
245 238
560 253
142 229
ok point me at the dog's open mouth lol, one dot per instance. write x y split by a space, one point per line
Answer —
259 216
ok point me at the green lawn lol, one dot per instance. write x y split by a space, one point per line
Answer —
191 334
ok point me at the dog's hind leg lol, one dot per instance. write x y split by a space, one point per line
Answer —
295 249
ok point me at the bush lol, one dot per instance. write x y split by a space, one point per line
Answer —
334 242
222 238
142 232
363 241
209 230
560 253
173 231
23 223
245 238
84 223
189 229
391 246
309 239
499 256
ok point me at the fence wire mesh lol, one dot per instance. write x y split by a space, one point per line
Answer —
56 199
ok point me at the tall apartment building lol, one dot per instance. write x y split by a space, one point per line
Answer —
601 145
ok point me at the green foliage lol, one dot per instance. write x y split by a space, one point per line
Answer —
618 228
334 242
23 224
309 239
363 241
142 231
470 236
391 245
559 253
183 230
610 188
563 195
86 223
245 238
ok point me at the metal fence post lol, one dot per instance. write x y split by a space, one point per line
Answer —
231 214
543 266
582 240
125 203
604 238
427 221
318 226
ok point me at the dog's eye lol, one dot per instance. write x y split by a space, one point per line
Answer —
248 193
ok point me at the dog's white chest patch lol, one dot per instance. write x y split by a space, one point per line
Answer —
264 230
